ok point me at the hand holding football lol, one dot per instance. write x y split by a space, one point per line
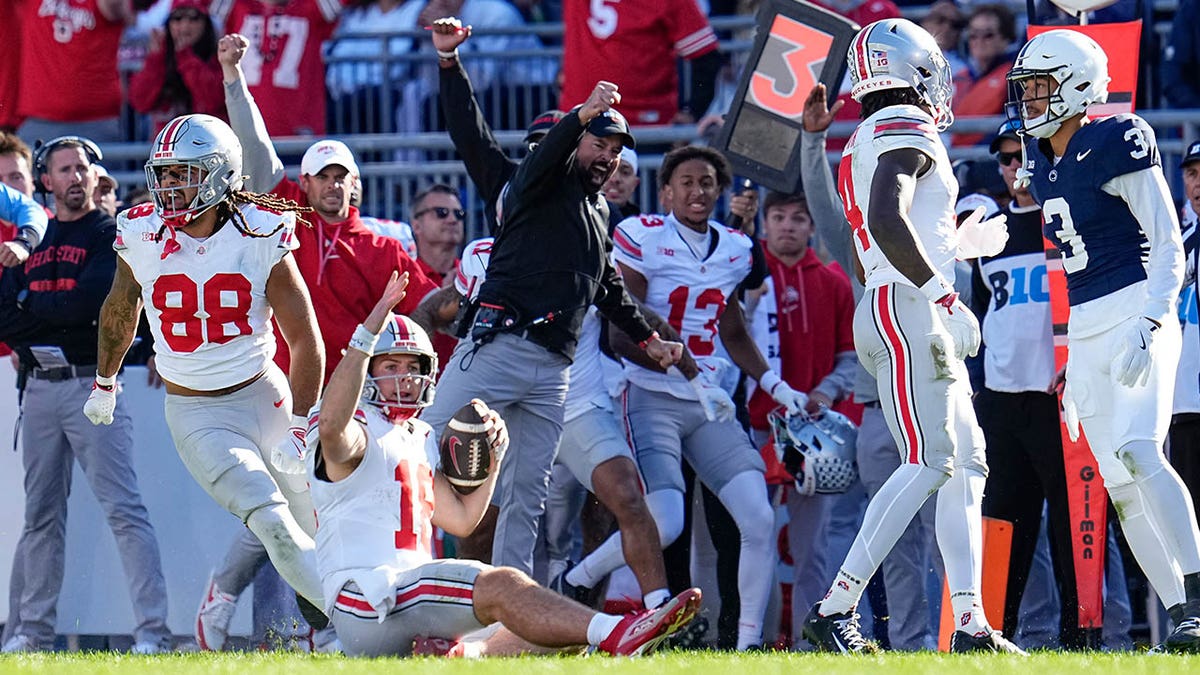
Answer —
466 455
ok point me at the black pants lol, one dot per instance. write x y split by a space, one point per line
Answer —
1025 471
1185 452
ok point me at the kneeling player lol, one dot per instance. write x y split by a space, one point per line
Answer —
378 498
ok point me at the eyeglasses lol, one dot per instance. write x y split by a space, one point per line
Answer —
1007 158
442 212
981 35
186 16
951 21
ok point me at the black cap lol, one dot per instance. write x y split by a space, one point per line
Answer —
1007 130
1193 155
612 122
542 124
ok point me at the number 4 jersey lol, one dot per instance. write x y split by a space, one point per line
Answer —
207 302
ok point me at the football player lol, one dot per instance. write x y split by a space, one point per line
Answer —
1106 205
378 498
212 264
910 329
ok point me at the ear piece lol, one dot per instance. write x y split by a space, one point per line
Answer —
42 151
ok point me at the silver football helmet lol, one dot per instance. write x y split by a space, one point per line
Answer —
819 450
1079 68
213 157
898 54
402 335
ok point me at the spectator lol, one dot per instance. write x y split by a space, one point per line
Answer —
10 69
1185 422
180 74
863 12
361 95
1181 65
802 320
283 67
48 314
20 235
437 226
69 58
620 188
945 22
980 88
635 45
105 194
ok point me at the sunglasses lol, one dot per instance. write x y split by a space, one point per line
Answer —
186 16
1007 158
442 212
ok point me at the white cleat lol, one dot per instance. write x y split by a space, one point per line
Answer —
212 620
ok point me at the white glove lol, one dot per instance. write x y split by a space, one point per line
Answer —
289 455
783 394
1070 412
978 237
100 404
1131 365
963 327
718 406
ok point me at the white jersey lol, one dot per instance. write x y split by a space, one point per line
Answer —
207 302
932 211
690 290
376 523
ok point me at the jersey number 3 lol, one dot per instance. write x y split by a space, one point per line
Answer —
1057 213
226 305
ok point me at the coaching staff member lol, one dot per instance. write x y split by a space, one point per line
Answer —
549 262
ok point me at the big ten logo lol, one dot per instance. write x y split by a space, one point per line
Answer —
1187 306
1019 285
788 68
1087 525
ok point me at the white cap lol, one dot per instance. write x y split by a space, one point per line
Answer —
975 200
325 152
102 172
629 157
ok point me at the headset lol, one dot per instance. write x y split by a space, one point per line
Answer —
43 150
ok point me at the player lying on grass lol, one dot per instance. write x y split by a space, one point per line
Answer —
378 498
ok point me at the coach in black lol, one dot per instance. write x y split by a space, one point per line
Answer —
550 261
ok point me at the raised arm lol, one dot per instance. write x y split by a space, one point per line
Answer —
289 299
259 161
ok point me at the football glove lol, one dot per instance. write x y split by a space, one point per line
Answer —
962 325
1131 365
718 406
1070 412
288 457
794 401
100 404
978 237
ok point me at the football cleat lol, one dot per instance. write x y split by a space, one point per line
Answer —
581 594
642 632
20 643
436 646
213 617
836 632
992 641
1185 638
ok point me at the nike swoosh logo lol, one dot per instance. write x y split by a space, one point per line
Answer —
1079 157
279 403
734 258
1143 342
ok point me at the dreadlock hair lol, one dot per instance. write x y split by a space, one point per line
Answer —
878 100
227 211
674 158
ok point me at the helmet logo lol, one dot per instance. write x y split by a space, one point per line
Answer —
170 137
879 59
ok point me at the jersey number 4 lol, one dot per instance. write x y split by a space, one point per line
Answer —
854 215
224 301
416 507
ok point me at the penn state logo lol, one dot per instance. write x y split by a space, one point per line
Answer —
1053 175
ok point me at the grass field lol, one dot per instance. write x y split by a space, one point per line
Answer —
693 663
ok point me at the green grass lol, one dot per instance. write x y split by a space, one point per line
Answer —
692 663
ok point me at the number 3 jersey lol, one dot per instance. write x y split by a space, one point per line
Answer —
376 523
207 302
689 290
932 210
1103 203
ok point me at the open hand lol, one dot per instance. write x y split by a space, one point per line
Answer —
817 115
393 293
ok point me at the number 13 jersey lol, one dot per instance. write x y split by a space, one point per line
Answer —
207 302
932 210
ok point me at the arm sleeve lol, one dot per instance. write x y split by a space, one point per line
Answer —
823 202
1149 199
981 295
840 382
146 85
204 81
259 160
616 305
25 213
81 304
704 82
543 168
486 162
15 325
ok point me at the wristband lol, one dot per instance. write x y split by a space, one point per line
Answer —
643 343
106 383
363 340
448 55
769 381
939 292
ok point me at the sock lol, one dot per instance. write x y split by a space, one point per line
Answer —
600 627
1168 503
959 526
1147 543
666 507
843 596
293 552
748 636
655 598
745 496
968 613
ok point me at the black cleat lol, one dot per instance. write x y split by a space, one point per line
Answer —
836 632
581 594
962 642
1185 638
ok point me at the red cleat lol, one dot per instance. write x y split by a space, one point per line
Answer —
642 632
436 646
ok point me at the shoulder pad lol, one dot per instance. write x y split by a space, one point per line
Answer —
1123 144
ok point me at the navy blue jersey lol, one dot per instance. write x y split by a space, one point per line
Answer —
1101 242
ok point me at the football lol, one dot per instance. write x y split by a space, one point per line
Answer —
465 455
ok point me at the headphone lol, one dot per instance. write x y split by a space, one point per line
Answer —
42 152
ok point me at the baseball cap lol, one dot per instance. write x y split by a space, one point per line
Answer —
325 152
201 5
630 157
1007 130
973 201
612 122
103 174
1193 154
542 124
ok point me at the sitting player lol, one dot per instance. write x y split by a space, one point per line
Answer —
383 587
1106 205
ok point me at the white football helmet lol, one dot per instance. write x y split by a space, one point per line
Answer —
1079 68
819 450
899 54
213 155
402 335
